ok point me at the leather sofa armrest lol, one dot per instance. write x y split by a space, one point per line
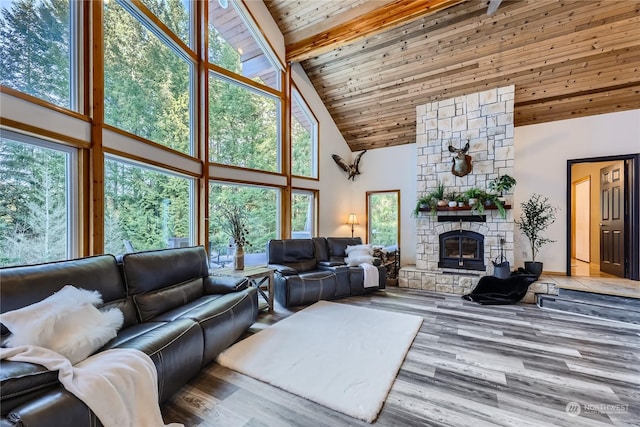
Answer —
224 284
284 270
331 264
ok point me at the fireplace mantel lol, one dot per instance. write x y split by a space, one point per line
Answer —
462 208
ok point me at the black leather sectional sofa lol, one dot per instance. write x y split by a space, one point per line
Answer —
309 270
174 311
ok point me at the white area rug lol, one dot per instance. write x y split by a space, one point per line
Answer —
340 356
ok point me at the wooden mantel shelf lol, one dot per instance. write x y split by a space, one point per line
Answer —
463 208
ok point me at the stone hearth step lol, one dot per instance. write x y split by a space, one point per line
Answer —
612 307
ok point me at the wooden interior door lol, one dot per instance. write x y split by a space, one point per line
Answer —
612 214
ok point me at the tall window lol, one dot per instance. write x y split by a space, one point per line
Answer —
304 138
303 214
235 46
146 81
260 205
243 125
145 208
37 49
383 217
37 207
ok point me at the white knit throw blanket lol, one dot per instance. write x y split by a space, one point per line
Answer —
120 386
371 275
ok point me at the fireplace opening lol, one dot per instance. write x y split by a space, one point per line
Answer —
462 249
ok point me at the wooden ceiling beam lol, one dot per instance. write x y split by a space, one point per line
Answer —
345 17
390 15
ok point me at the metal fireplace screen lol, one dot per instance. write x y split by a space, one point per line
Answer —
462 249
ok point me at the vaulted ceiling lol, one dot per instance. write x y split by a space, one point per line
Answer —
373 61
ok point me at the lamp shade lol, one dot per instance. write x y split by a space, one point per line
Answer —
353 219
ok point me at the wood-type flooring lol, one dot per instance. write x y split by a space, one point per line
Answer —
469 365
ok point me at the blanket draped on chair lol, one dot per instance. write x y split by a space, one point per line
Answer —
120 386
371 275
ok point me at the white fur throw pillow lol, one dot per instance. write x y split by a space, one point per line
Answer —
358 254
67 322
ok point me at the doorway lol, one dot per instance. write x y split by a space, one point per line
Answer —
603 220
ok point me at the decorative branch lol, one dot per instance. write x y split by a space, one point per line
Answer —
234 224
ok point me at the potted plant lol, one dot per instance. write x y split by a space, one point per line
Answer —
472 195
234 226
536 216
430 200
452 197
423 203
438 194
487 199
501 184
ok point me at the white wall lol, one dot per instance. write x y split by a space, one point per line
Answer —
390 168
541 154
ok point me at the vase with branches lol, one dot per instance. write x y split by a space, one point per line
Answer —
234 226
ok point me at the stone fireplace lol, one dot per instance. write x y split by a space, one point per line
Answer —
456 247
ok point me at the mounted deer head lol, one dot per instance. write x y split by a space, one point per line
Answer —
461 162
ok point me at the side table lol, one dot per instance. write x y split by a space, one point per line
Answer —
257 277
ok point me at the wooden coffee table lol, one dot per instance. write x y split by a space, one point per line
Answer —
257 276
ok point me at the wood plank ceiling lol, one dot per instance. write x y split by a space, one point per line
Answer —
566 59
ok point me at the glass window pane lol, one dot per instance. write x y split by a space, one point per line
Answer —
175 14
243 126
146 83
233 45
262 214
383 218
304 138
145 209
35 49
302 215
35 207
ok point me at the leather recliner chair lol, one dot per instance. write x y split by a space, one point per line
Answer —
298 278
307 270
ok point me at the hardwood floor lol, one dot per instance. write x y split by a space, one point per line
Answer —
469 365
587 269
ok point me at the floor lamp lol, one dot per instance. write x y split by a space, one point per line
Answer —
353 220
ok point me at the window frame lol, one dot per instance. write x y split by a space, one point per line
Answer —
140 13
193 189
278 202
72 188
264 45
251 87
314 211
369 194
297 96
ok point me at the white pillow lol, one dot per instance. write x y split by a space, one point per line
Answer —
358 254
355 260
366 249
66 322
